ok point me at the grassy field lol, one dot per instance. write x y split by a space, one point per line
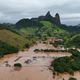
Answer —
12 38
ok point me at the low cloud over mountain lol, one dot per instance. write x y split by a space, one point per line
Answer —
13 10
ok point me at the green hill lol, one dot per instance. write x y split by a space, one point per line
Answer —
74 41
46 26
27 23
48 29
12 38
51 30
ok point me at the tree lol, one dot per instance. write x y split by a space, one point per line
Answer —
72 78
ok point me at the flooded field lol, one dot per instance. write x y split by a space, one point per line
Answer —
35 66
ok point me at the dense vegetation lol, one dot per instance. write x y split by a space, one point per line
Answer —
72 78
27 23
13 39
17 66
74 41
58 43
67 64
7 49
49 50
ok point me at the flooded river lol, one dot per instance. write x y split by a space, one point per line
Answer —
36 69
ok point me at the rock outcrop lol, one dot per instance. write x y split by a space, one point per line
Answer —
49 17
35 21
57 17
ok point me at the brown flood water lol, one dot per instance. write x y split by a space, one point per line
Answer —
37 69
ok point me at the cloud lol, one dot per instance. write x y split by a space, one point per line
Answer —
13 10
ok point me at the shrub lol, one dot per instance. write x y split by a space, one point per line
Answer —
27 45
72 78
74 52
49 50
67 64
17 66
57 43
7 49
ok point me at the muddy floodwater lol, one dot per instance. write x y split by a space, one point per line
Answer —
35 66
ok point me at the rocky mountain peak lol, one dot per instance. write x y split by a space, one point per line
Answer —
57 17
48 14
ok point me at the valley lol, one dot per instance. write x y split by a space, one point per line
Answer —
39 48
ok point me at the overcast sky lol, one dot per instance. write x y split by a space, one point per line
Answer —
13 10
